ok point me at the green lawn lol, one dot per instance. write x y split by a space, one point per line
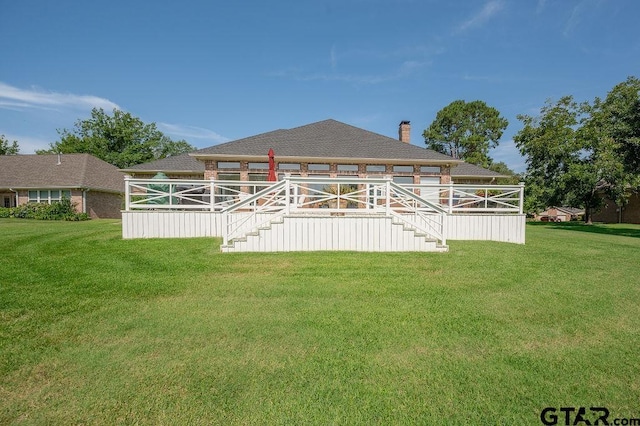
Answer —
97 330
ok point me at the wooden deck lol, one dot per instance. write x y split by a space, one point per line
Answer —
304 214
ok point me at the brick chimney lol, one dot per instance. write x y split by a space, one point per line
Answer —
404 131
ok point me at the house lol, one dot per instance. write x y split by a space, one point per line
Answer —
611 213
94 186
560 214
327 148
338 187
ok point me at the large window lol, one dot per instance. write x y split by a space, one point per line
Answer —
48 195
256 177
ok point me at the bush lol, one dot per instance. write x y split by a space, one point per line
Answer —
60 210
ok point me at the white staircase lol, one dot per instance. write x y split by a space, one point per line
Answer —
372 232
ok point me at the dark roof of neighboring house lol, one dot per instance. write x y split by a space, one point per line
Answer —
183 163
72 171
571 210
464 170
322 141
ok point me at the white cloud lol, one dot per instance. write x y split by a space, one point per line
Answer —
191 132
19 99
489 10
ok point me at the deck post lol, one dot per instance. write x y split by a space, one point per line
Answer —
521 201
287 198
212 194
450 197
387 195
127 193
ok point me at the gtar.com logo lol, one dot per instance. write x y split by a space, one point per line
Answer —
575 416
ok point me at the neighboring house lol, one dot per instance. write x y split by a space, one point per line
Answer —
94 186
611 213
327 148
560 214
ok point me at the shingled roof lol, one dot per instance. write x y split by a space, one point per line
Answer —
327 140
322 141
467 170
66 171
178 164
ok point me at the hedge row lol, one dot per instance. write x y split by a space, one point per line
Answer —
61 210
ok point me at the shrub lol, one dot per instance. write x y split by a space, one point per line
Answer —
59 210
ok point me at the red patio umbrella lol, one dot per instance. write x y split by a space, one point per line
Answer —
272 177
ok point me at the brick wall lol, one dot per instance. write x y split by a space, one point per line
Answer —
104 205
610 214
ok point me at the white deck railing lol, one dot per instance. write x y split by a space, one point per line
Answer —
246 206
329 194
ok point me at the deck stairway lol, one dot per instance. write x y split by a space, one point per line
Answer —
373 232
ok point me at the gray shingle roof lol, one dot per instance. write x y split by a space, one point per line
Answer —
73 171
184 163
471 170
321 140
328 139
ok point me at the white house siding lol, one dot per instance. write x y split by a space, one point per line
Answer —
324 233
508 228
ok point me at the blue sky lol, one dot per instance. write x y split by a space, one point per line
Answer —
212 71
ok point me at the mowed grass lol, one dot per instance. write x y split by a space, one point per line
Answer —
97 330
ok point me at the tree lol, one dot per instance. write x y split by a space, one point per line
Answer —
618 118
119 139
511 177
466 131
568 160
6 149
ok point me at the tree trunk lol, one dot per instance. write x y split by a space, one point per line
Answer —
587 216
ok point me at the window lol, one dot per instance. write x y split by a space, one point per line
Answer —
48 195
259 166
288 166
256 177
403 180
227 189
430 169
318 167
347 167
376 168
403 169
229 176
315 187
228 165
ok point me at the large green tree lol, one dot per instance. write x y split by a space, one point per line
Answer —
120 139
6 148
617 117
570 159
466 131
